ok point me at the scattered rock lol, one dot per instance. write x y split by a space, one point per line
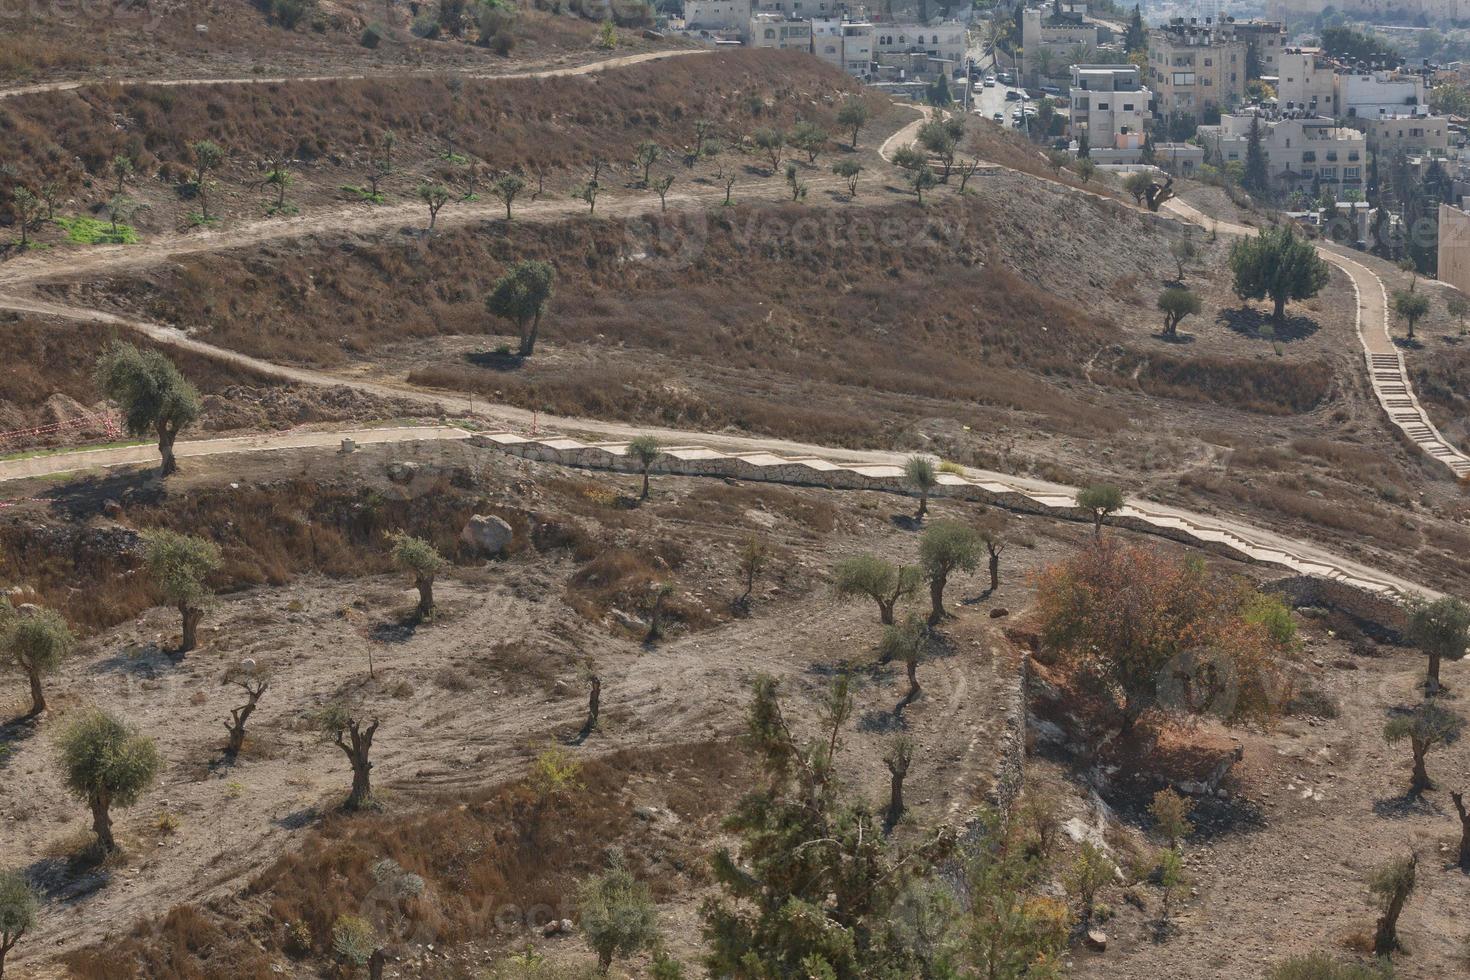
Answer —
486 535
402 472
1097 940
557 927
999 611
627 620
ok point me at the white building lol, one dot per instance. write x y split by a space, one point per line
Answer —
778 31
1110 104
845 43
1062 39
1312 81
944 41
717 15
1299 149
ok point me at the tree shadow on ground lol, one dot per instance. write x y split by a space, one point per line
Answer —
13 733
1408 343
86 494
1178 339
145 662
1249 321
505 361
399 630
1406 805
881 721
297 819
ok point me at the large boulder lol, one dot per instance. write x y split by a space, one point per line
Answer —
486 535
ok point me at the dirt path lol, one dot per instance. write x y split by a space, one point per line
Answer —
596 66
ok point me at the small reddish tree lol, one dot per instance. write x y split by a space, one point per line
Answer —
1136 621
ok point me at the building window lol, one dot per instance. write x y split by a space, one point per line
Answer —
1127 106
1329 173
1102 107
1309 156
770 34
1350 173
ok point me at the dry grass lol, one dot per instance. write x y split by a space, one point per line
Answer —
483 861
547 124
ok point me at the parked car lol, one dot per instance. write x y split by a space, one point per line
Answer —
998 117
989 83
1013 96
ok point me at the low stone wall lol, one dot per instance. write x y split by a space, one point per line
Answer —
1380 617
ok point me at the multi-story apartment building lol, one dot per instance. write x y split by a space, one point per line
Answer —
944 41
780 31
1299 149
717 15
1415 133
1050 43
1194 67
1109 104
1264 37
847 44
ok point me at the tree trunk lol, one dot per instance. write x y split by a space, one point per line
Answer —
1464 861
644 494
375 965
1280 313
923 505
895 798
169 466
1432 686
1131 713
1097 522
913 671
38 696
362 787
528 339
994 571
594 705
102 826
191 617
426 597
1421 780
936 599
885 611
237 740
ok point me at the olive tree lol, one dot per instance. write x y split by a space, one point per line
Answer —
343 726
922 474
507 187
25 208
907 641
853 116
1101 500
180 566
1442 630
1279 266
423 561
207 156
645 157
1425 728
992 535
151 394
878 579
645 450
618 917
122 169
1176 303
810 138
521 296
848 170
947 547
253 683
106 764
435 196
1391 884
755 554
36 644
1412 306
18 908
771 142
661 188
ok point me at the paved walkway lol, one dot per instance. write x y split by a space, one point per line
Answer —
1386 368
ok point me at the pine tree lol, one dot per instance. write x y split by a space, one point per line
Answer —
1256 179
